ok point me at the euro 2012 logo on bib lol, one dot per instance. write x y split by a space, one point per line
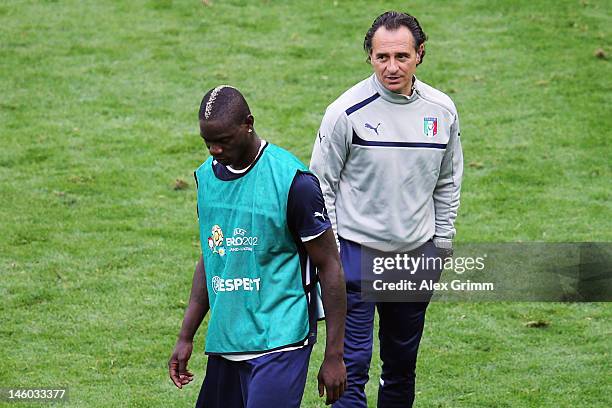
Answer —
215 241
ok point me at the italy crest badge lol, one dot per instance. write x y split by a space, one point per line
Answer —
430 126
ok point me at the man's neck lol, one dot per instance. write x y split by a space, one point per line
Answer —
410 88
250 156
395 97
407 91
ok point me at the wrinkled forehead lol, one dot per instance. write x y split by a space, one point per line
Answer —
394 40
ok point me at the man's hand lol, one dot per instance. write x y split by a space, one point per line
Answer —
332 379
177 365
445 253
444 246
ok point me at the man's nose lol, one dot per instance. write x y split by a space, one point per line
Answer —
392 66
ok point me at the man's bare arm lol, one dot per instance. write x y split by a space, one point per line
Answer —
194 314
324 255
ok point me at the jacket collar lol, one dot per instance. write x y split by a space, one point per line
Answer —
395 97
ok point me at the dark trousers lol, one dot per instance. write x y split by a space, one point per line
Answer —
272 381
400 330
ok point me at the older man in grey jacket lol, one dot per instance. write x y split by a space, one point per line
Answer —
389 159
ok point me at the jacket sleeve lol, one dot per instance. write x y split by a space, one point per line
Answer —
329 154
448 187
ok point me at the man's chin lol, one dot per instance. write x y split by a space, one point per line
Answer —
395 87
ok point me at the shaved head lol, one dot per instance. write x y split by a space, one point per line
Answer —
226 125
224 104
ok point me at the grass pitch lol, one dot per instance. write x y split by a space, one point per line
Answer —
98 119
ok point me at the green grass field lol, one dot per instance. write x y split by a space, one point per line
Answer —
98 118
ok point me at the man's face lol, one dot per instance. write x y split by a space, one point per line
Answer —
394 58
227 143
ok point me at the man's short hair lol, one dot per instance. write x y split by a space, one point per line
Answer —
224 103
392 20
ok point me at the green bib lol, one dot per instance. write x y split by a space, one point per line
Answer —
253 275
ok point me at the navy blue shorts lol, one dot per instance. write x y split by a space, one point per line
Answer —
274 380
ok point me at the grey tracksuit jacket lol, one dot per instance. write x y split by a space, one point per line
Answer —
390 166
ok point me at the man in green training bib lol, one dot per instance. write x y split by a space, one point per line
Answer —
267 243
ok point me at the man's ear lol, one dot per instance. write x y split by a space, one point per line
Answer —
420 52
250 121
